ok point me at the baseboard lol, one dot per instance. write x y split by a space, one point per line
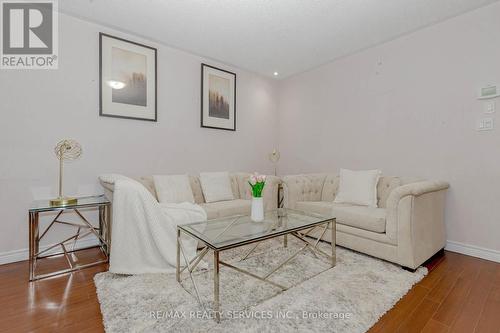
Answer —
474 251
23 254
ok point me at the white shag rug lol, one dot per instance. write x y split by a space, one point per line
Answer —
350 297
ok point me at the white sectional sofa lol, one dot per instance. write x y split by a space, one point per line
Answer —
241 192
407 228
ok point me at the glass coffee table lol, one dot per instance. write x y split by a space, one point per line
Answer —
230 232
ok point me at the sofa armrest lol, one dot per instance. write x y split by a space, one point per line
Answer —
108 183
416 189
307 187
397 196
415 219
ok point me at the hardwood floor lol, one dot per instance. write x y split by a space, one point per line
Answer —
460 294
65 303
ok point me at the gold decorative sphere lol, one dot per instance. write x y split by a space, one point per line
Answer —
68 150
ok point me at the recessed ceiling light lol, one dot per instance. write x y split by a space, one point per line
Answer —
275 73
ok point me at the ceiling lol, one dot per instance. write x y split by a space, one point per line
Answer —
267 36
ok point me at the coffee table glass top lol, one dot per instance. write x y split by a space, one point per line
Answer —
237 230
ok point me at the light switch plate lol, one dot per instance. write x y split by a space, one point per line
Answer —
485 124
490 91
489 107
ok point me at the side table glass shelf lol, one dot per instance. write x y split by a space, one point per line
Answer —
83 229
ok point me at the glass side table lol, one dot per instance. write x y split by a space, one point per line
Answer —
83 229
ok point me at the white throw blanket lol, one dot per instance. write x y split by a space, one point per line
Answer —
144 232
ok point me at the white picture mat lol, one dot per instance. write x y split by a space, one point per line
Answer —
212 121
120 109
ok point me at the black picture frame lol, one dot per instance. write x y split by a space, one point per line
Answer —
203 66
101 111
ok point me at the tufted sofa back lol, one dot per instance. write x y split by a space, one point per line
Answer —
384 187
324 187
311 185
330 187
238 180
307 187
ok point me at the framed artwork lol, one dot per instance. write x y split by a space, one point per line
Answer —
218 98
127 79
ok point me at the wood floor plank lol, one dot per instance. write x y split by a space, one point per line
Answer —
443 287
496 282
453 302
434 326
473 305
490 317
431 280
392 319
419 317
55 304
437 266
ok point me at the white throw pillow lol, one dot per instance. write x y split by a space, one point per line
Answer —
358 187
216 186
173 189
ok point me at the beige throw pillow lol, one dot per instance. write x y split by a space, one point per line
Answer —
216 186
358 187
173 189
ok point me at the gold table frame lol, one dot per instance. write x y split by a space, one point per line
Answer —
190 265
102 232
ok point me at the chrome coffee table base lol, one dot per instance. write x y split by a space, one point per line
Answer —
310 243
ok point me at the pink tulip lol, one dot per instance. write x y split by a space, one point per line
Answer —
257 178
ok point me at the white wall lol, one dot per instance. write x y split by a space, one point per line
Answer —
408 107
38 108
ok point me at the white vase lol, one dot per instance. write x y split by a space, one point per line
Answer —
257 210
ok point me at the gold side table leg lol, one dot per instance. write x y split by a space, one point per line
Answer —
216 286
178 259
333 242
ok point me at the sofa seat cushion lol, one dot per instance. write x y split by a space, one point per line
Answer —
362 217
219 209
343 230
